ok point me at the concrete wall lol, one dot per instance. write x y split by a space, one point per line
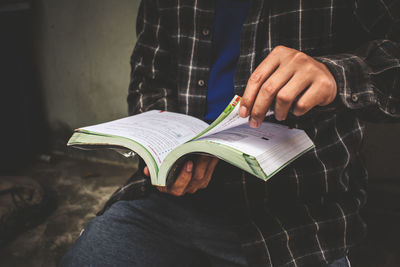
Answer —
83 49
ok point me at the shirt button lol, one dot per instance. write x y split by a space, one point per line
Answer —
201 82
354 97
205 31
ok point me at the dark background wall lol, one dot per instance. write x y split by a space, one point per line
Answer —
382 150
82 50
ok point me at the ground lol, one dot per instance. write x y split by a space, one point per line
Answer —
81 188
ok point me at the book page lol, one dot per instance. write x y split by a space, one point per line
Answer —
231 120
252 141
158 131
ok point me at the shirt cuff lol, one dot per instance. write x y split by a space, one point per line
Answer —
355 89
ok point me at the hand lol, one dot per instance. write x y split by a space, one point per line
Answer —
189 180
286 75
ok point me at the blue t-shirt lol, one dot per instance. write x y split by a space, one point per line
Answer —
229 18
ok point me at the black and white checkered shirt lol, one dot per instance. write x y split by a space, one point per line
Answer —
307 214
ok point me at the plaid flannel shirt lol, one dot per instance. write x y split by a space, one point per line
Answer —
308 213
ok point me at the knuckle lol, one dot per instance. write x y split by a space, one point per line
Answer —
326 83
198 177
300 109
300 58
268 88
177 192
244 101
279 49
257 115
255 77
311 69
284 98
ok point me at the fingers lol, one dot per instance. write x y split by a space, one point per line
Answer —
267 92
320 93
200 175
180 184
209 172
257 78
192 178
289 94
289 77
307 101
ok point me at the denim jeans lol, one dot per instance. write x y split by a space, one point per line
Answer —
342 262
160 230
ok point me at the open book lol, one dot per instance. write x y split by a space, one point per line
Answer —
164 139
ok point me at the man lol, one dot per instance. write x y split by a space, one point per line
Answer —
321 66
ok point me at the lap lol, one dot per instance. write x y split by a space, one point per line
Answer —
342 262
159 230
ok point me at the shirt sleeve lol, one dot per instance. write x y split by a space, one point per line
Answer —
153 77
368 79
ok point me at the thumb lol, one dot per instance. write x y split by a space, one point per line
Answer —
146 171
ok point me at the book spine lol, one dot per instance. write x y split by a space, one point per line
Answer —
255 167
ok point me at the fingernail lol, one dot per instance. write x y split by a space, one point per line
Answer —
189 166
243 111
253 123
